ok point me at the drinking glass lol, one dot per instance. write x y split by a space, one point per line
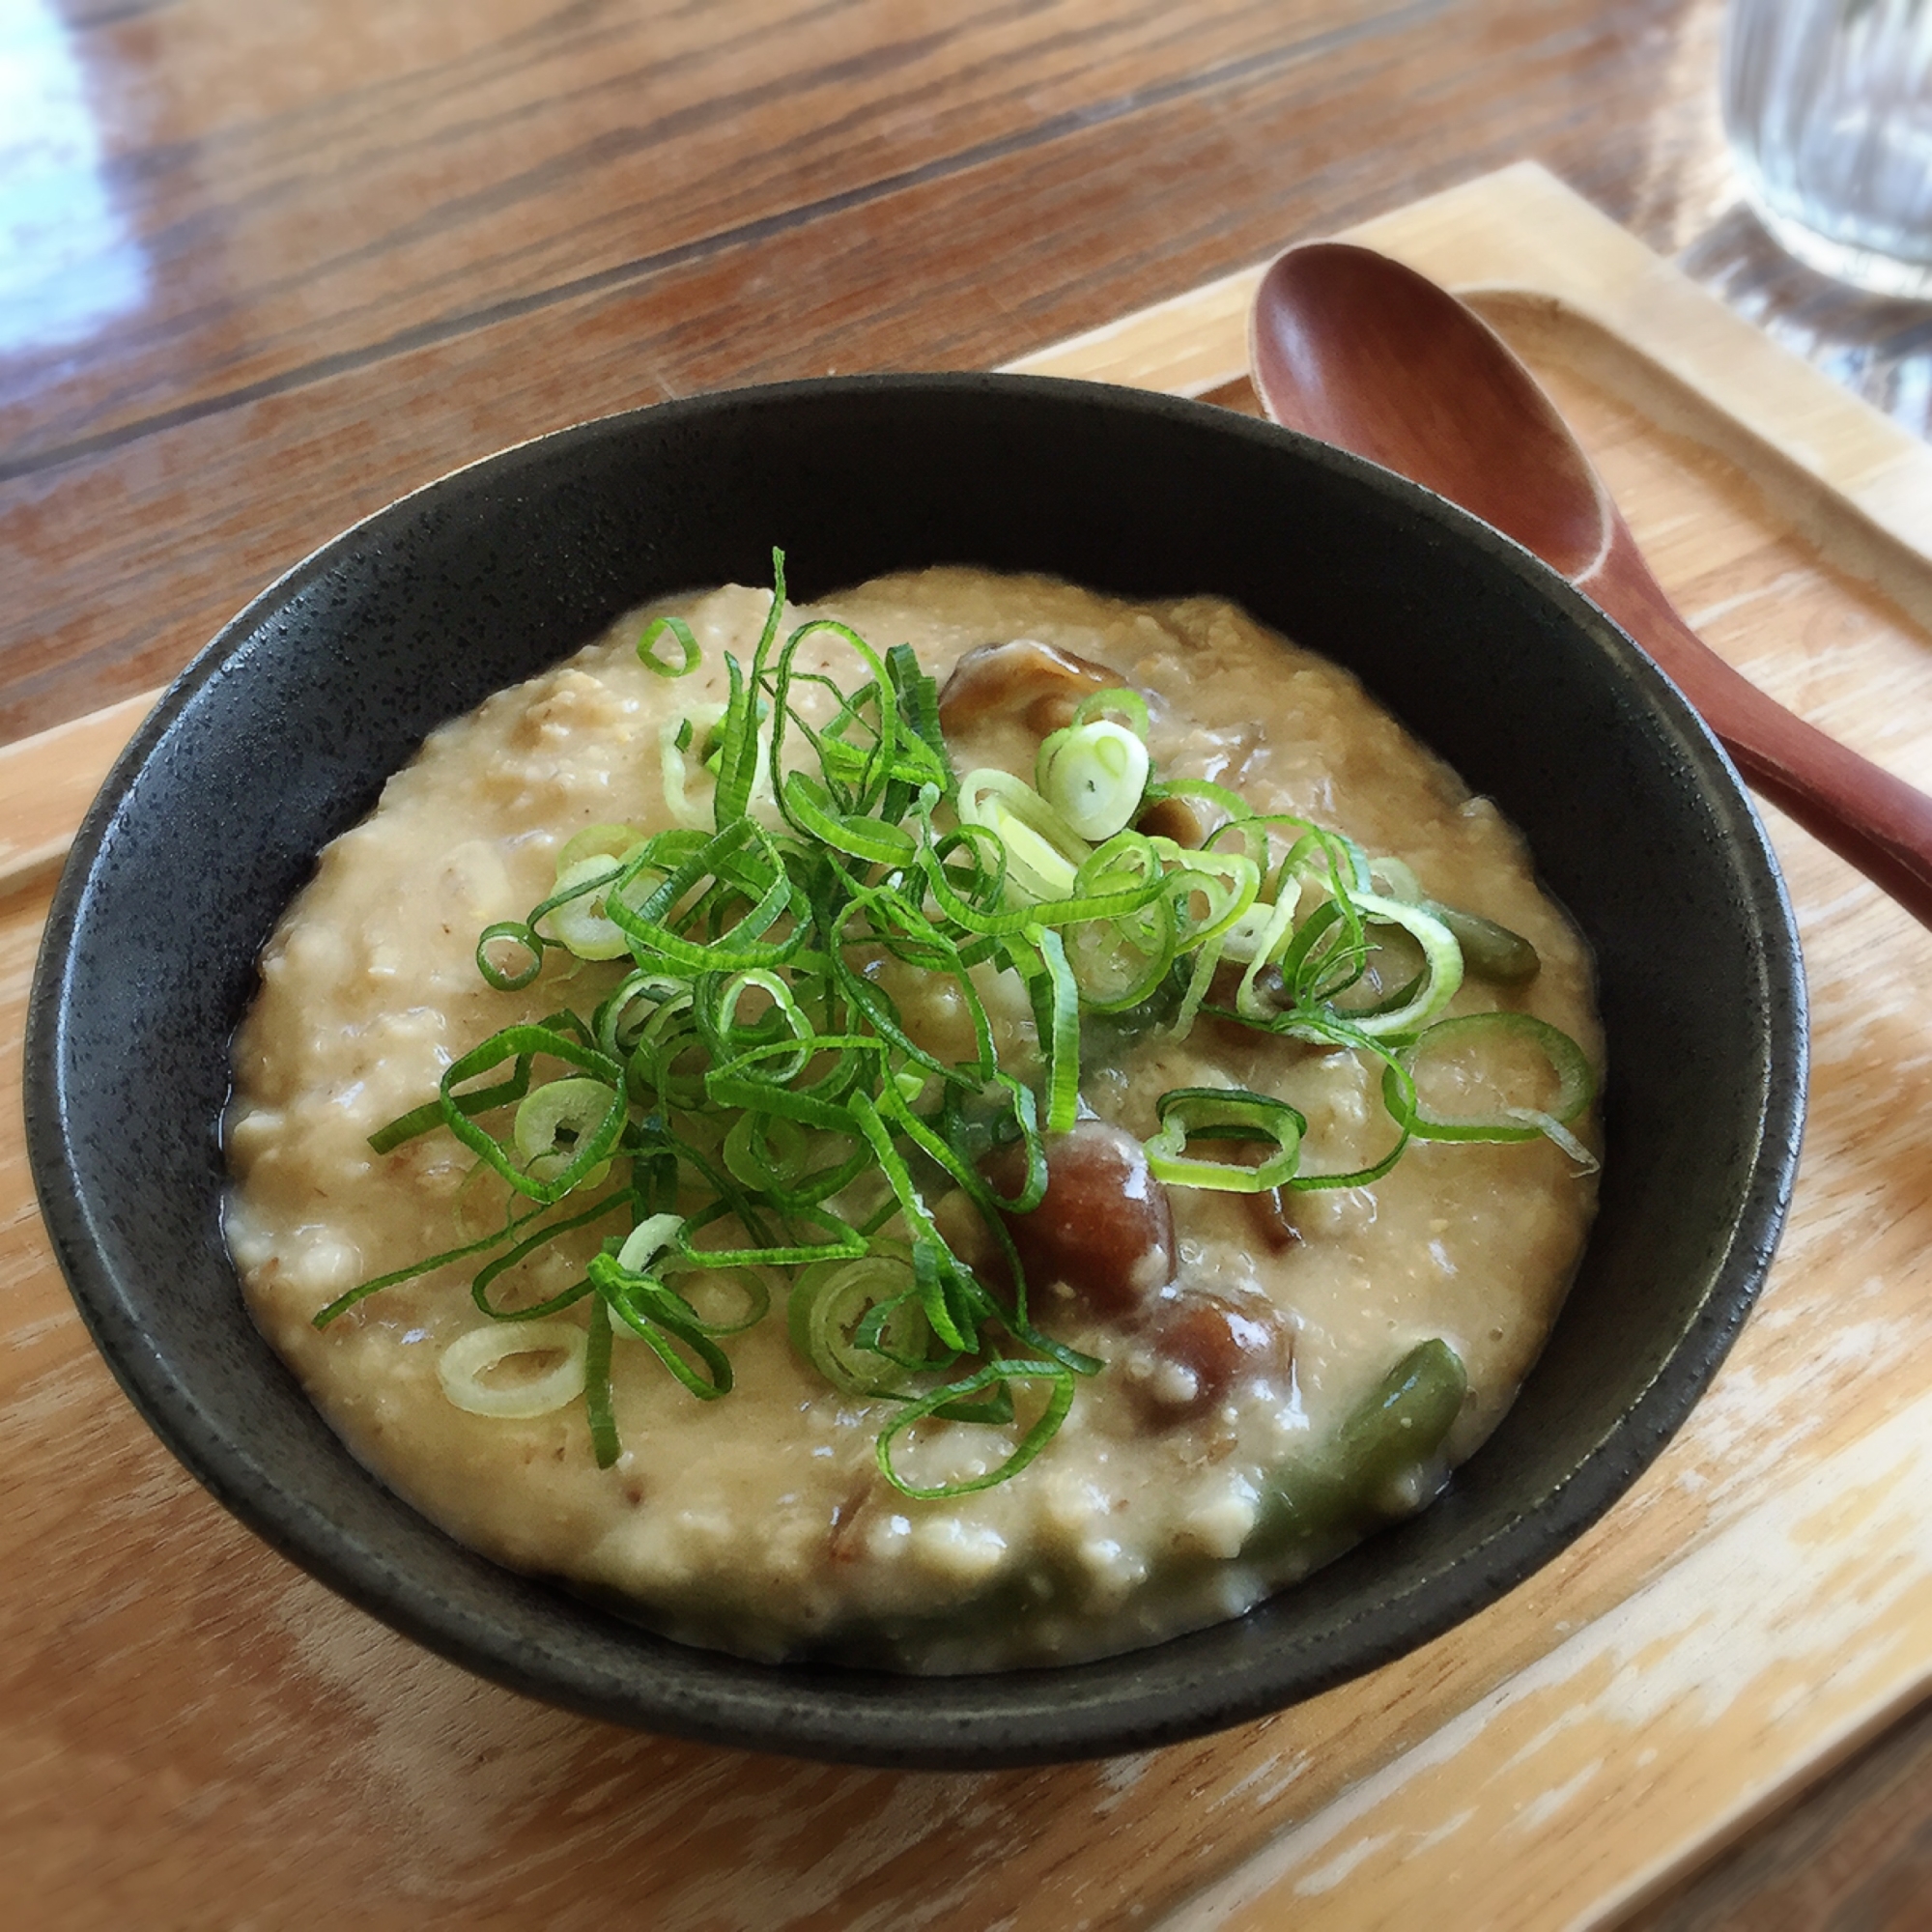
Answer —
1828 104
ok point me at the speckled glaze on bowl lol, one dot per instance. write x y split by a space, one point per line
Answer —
282 733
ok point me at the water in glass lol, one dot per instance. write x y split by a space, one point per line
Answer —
1828 104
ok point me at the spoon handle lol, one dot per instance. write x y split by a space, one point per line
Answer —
1875 821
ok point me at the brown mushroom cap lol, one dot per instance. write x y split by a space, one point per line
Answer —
1038 683
1216 1343
1103 1229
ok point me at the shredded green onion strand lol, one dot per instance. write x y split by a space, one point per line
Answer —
604 1441
679 633
999 1376
830 1320
1119 702
463 1364
1189 1113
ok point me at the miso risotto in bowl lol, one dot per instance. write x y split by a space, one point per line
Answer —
1080 1111
1140 1090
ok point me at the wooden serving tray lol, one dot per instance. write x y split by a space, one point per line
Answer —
192 1732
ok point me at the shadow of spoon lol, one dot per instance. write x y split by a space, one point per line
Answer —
1353 348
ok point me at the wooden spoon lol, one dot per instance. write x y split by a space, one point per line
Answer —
1360 351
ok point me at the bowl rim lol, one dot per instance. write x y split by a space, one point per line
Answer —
1099 1708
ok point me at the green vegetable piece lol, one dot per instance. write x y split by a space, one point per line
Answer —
679 633
1490 951
1401 1424
578 922
596 841
1092 775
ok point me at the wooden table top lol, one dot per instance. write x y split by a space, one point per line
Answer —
262 267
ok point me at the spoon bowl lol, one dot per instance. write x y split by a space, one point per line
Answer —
1356 349
1347 351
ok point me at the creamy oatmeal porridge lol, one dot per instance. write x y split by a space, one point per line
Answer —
989 1174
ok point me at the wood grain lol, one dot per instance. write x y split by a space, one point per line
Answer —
339 313
47 781
304 257
456 187
189 1730
306 190
1856 1855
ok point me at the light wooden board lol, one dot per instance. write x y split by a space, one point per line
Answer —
47 781
191 1732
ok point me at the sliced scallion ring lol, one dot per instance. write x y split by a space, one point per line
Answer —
578 922
1045 854
629 1007
1395 879
609 842
679 634
1489 951
1119 700
556 1121
696 1276
1093 774
1119 961
785 1010
950 1401
647 1241
1442 966
833 1304
463 1364
1575 1084
765 1151
1228 883
1256 938
681 743
496 950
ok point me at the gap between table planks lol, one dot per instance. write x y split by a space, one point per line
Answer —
189 1727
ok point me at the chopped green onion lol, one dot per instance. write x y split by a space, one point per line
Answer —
1555 1052
1093 775
605 1444
679 633
580 921
696 1275
1043 853
1060 1032
996 1375
555 1122
508 978
830 1318
462 1366
747 1078
1442 965
647 1241
603 841
1189 1113
1120 701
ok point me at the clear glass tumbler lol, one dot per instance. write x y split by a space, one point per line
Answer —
1828 104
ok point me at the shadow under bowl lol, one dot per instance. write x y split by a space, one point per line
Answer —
282 733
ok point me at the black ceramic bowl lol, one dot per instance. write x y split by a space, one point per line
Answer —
280 736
